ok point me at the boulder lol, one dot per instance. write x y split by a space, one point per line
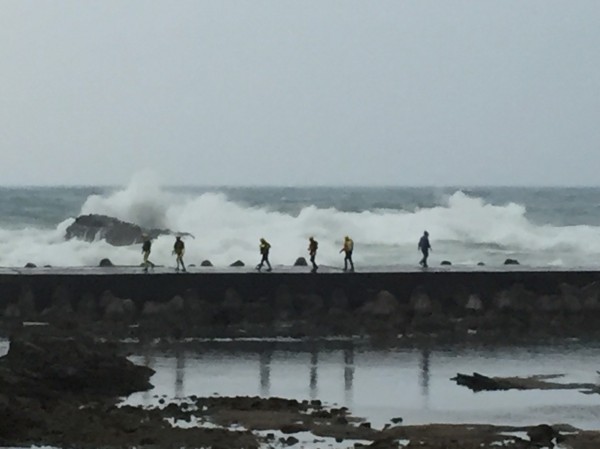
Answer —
421 304
152 308
542 435
115 310
44 364
94 227
206 263
474 304
300 262
175 305
511 262
30 265
106 263
385 304
237 263
446 262
480 264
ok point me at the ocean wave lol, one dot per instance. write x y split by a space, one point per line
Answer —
463 228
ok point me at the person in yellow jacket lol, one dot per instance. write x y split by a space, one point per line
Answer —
264 251
178 251
347 249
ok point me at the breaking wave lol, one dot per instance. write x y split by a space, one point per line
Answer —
463 228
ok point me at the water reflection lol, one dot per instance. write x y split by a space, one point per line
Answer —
314 362
348 373
380 384
424 375
265 372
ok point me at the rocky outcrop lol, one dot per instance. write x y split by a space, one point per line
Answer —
116 232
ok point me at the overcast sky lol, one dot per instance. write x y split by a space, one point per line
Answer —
304 92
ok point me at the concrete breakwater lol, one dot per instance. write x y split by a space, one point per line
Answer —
291 302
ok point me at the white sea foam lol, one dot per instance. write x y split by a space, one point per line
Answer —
463 229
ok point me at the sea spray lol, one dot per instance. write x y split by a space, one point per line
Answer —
228 223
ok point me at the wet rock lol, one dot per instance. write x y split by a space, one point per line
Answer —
40 363
114 231
300 262
175 305
30 265
115 310
293 428
511 262
206 263
106 263
237 263
474 304
480 264
87 306
385 304
106 298
396 420
446 262
421 304
542 435
151 309
548 303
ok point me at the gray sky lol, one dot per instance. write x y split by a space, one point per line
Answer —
304 92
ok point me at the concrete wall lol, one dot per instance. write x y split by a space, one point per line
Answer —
412 299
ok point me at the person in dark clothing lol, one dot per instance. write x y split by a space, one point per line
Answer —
264 251
424 247
179 250
146 248
312 250
347 249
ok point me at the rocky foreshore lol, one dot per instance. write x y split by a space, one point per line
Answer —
62 388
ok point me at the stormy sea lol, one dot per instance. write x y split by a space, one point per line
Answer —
537 226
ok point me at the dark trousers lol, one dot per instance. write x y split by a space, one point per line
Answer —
312 260
265 259
423 261
347 259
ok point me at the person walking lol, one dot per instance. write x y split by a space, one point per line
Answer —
424 246
347 249
146 249
313 245
264 251
179 250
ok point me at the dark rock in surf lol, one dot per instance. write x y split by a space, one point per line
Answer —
30 265
116 232
106 263
480 264
206 263
237 263
300 262
511 262
446 262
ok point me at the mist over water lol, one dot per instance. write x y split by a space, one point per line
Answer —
556 226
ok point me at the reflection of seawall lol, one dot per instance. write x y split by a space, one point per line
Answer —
329 302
